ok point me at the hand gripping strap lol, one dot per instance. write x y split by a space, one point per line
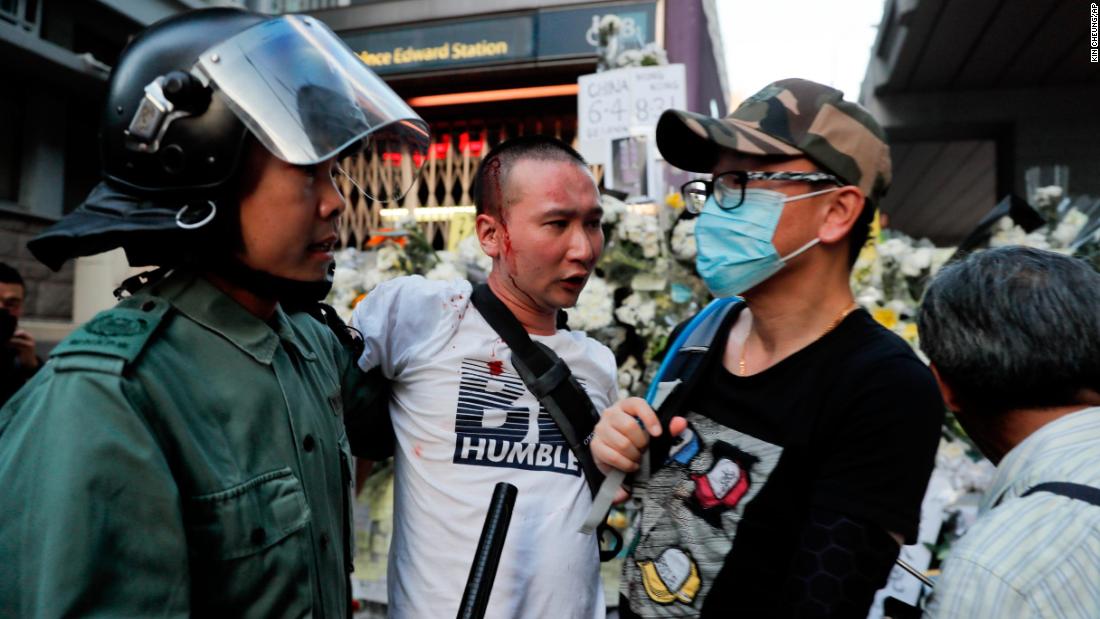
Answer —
702 328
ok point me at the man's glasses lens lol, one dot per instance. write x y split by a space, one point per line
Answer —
728 191
695 195
729 187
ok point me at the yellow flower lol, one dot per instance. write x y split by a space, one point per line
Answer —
675 200
358 298
617 519
909 332
868 254
885 317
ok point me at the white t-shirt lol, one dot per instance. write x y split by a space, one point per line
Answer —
464 421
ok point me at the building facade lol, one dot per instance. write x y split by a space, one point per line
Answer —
56 57
982 99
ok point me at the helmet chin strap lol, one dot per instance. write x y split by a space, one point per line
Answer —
290 293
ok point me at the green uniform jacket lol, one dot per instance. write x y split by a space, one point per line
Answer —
179 456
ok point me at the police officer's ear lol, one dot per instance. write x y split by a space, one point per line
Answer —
842 209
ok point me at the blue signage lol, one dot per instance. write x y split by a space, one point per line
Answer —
572 32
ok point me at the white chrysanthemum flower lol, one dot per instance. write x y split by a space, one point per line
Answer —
651 244
341 302
626 313
1007 233
407 221
869 296
626 226
940 256
975 476
445 270
893 248
1068 229
643 230
452 258
613 209
950 454
629 58
348 257
654 54
611 23
916 261
636 311
473 259
629 374
594 306
1037 239
683 239
900 307
345 278
964 474
373 277
387 257
1048 196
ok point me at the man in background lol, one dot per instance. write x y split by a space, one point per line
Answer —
1013 335
17 361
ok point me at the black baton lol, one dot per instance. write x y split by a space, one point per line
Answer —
484 569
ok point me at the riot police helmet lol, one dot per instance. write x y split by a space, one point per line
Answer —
182 101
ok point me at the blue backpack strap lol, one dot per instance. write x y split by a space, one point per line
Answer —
680 369
696 337
1080 492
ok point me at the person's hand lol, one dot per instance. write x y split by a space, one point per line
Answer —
623 434
23 344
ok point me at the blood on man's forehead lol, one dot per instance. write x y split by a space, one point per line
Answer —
492 193
496 189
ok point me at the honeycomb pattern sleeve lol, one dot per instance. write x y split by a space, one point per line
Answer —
839 565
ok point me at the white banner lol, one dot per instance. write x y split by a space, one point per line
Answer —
625 103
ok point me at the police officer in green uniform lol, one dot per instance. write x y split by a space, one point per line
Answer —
184 453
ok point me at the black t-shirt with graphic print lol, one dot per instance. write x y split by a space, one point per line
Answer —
848 425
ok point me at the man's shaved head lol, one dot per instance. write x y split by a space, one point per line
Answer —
491 190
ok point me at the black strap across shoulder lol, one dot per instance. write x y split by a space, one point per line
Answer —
1080 492
549 380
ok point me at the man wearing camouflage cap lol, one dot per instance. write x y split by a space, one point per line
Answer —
794 436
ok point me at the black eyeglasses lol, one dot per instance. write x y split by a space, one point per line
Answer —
729 187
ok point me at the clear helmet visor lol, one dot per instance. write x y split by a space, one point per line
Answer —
307 97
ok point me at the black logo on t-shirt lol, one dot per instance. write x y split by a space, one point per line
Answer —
493 431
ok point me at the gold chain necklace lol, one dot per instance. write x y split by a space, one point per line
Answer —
832 325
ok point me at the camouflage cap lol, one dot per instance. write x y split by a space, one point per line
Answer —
791 117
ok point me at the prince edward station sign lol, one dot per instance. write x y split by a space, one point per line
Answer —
446 51
533 35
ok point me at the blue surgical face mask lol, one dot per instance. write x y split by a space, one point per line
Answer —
735 250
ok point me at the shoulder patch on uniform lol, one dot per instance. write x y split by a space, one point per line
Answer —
119 333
